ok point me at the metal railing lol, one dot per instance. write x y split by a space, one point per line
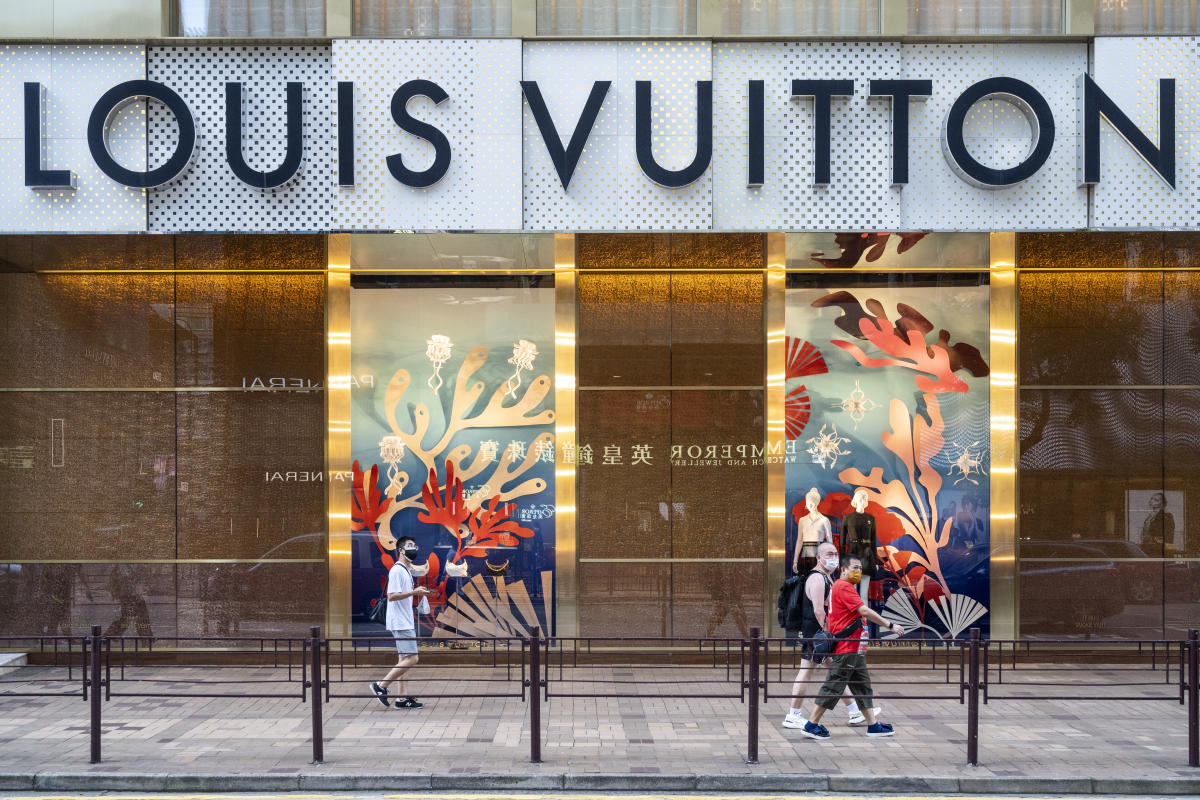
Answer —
537 670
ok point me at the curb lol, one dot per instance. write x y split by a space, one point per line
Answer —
595 782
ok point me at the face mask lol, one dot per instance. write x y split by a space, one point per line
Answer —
854 575
411 554
830 564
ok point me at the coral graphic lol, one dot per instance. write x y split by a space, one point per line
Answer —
855 245
904 340
504 610
796 411
957 613
914 501
480 521
969 462
803 359
857 405
827 447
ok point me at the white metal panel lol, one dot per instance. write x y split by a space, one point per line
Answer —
73 77
481 118
208 197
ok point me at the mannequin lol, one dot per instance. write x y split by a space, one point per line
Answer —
858 537
814 528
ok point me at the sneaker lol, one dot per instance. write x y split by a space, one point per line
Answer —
795 720
814 731
858 718
408 702
880 729
380 694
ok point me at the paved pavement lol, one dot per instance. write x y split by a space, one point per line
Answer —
606 742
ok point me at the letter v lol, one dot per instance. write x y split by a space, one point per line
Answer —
565 161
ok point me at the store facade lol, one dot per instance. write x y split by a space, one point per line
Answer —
610 327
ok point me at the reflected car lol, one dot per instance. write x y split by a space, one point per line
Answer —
1077 585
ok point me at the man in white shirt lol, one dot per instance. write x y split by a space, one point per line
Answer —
401 625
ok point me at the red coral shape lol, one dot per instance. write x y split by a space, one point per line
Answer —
448 510
492 526
909 351
369 506
803 358
796 412
430 581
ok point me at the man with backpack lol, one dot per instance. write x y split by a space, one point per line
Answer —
803 607
847 613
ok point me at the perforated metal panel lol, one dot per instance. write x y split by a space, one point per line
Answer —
609 190
481 118
208 196
860 194
1130 194
74 77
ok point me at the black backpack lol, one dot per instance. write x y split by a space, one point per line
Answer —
791 603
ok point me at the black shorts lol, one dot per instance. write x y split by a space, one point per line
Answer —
806 651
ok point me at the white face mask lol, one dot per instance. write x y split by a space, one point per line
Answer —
830 563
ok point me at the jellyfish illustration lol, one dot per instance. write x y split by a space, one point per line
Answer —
391 450
437 350
524 351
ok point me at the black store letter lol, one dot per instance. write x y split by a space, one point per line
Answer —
35 176
901 92
111 102
822 92
1096 104
1024 97
295 139
674 179
565 160
441 145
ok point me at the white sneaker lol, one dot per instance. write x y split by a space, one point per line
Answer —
858 718
794 720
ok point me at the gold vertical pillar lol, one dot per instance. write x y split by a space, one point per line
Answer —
893 18
524 18
337 436
339 18
1005 598
1079 17
775 298
566 580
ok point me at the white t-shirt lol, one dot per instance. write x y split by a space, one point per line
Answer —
400 612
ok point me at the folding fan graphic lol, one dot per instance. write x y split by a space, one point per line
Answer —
803 359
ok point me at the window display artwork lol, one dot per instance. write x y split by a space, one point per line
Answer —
887 413
452 431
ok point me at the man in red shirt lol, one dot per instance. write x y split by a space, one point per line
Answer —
849 668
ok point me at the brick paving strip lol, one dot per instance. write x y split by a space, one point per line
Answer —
633 744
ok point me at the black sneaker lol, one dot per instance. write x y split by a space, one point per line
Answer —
380 694
408 702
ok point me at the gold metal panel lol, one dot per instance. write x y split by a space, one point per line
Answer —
337 436
566 590
339 18
111 19
1005 611
774 302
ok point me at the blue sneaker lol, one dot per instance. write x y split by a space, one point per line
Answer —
880 729
814 731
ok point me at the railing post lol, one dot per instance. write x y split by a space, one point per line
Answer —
95 695
535 696
753 685
1194 697
318 729
973 699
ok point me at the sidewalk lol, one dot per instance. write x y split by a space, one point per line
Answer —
591 744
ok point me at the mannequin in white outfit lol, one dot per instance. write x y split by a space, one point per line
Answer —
814 529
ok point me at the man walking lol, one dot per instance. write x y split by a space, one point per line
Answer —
815 602
401 625
849 670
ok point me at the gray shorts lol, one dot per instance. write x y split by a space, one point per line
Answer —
406 642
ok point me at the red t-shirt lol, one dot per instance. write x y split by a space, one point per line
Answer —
844 602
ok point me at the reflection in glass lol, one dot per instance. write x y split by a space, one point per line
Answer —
954 18
614 18
788 17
